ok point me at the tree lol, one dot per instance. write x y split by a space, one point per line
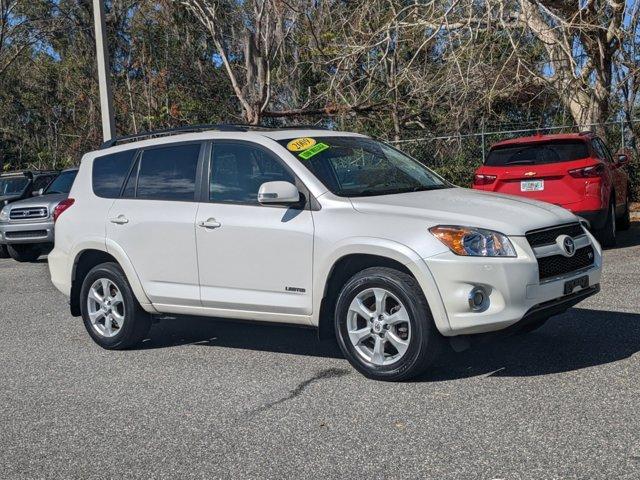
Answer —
581 40
256 32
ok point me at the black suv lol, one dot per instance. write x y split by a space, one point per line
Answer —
16 186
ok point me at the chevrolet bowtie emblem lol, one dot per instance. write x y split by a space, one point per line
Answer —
530 174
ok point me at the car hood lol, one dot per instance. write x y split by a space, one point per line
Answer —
49 201
507 214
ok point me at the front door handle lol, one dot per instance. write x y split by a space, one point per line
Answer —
119 220
210 223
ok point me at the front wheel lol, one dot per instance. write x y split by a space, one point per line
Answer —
24 253
3 251
111 314
384 325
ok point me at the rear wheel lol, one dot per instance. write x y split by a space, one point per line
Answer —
607 234
384 326
111 314
24 253
624 222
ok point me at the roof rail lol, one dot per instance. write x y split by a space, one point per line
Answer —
27 172
223 127
586 132
171 131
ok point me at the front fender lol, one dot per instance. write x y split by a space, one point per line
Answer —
382 248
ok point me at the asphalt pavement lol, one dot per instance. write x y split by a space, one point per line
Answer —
205 398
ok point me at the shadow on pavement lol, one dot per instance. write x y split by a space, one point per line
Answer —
630 238
170 332
578 339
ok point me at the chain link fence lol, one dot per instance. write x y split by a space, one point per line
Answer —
457 156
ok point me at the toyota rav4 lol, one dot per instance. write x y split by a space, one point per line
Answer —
311 227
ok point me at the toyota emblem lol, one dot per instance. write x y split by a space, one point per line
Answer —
568 246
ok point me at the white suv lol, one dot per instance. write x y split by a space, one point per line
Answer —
313 227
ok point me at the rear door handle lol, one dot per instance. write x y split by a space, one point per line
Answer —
210 223
119 220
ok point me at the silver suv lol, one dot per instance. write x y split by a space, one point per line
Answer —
26 226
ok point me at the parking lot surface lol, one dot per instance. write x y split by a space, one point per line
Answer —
206 398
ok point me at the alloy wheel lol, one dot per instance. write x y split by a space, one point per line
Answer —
378 326
105 306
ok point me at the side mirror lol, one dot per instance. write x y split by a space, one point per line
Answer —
37 193
623 159
278 193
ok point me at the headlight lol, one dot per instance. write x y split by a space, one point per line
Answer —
474 242
4 214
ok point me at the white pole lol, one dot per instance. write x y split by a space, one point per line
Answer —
102 57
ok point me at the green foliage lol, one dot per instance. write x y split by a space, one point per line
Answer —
165 72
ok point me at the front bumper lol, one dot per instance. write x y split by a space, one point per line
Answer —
27 232
513 286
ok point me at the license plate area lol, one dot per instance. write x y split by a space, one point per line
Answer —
531 185
571 285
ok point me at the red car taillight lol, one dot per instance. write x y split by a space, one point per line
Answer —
61 207
588 172
482 179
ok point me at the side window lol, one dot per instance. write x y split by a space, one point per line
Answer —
109 173
238 170
130 187
168 173
597 146
605 150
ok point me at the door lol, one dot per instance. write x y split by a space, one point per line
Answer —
618 175
154 222
252 257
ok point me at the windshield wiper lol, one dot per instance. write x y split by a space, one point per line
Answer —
372 191
521 162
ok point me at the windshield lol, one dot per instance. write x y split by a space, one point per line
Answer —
62 183
12 186
358 167
538 153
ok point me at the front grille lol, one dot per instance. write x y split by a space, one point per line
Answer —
548 236
28 213
26 234
557 265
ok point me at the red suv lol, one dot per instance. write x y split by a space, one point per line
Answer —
575 171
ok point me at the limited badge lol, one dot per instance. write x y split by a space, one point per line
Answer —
300 144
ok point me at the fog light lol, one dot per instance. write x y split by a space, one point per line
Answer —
478 299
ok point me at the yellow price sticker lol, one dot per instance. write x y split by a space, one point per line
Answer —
300 144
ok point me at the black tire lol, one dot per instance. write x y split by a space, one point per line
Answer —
137 321
4 252
607 234
24 253
624 222
425 341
